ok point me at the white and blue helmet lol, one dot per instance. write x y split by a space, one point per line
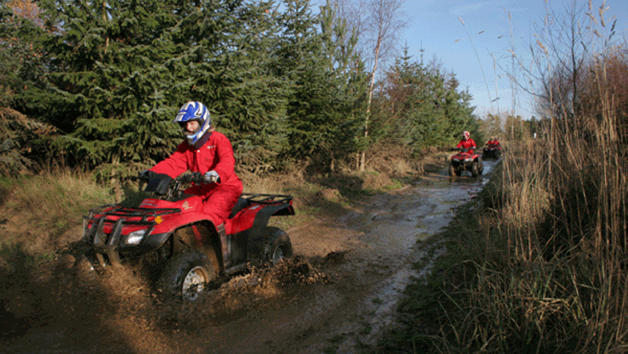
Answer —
194 111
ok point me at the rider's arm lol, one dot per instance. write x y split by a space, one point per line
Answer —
175 164
225 166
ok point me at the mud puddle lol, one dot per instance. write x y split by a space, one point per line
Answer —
336 296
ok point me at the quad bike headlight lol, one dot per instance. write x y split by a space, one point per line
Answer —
134 237
468 160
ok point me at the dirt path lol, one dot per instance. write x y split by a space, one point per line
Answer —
346 282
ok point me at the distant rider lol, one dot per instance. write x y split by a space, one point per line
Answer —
467 142
210 153
493 143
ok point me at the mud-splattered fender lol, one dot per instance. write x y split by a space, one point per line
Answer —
248 227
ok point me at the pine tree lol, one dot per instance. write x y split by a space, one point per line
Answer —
110 84
19 59
420 106
115 73
325 98
249 97
119 70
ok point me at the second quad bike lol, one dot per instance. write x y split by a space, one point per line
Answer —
492 152
189 252
466 160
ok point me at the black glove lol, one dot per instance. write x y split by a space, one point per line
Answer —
146 175
191 177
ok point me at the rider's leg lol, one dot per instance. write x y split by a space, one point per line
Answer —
220 202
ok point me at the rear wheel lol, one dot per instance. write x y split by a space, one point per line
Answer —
278 245
186 276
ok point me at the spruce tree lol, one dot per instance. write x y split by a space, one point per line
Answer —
115 73
110 85
325 96
428 109
241 85
119 70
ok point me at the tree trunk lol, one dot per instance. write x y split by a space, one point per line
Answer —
362 157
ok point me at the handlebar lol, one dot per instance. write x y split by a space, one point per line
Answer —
190 177
165 186
184 178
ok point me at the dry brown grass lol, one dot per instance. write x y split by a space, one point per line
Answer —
39 210
543 268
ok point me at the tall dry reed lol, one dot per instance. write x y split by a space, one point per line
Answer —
543 269
561 284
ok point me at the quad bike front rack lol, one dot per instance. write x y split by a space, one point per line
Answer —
114 218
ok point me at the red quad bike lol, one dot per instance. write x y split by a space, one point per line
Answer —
492 152
465 160
188 252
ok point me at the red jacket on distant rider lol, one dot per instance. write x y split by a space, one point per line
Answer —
467 142
493 143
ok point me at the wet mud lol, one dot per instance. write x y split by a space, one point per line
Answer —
338 294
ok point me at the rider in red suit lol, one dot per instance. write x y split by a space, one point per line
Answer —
493 143
467 142
210 153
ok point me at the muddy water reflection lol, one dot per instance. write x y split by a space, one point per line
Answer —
390 230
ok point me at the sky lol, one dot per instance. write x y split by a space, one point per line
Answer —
473 38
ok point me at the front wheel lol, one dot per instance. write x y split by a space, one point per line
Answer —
186 276
475 169
278 245
452 171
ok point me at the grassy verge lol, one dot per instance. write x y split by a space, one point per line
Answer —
41 209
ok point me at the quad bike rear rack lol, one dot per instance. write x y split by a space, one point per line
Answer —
247 199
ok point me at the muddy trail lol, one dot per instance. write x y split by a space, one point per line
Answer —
337 295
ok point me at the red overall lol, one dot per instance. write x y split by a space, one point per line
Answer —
217 155
467 144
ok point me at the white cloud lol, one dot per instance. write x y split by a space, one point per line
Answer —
470 8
